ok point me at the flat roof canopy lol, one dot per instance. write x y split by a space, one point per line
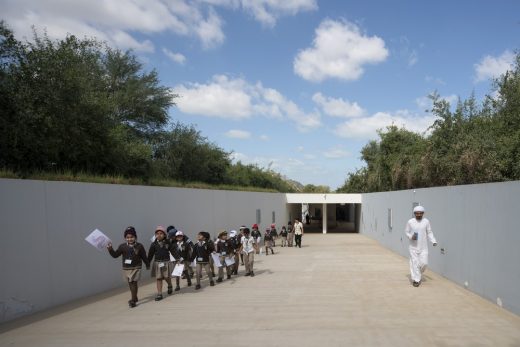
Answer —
331 198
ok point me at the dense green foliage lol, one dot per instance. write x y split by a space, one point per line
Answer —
472 144
79 107
311 188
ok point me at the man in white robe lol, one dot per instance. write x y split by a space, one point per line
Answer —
419 231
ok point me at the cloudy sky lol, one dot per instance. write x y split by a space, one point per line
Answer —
299 86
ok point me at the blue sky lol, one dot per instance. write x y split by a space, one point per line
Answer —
299 86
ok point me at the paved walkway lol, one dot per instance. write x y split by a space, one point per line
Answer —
338 290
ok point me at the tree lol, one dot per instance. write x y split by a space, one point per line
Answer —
471 144
183 153
77 105
311 188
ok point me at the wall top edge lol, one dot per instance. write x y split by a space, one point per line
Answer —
321 198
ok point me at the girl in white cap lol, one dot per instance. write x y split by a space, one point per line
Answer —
418 229
162 266
181 251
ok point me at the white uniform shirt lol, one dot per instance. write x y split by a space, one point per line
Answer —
248 244
298 228
423 230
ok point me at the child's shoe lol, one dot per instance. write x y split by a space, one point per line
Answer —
170 289
197 287
177 288
219 280
252 274
212 283
131 303
228 276
158 297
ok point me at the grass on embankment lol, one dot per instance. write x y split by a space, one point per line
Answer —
108 179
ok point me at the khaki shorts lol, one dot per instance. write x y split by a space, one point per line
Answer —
132 275
162 272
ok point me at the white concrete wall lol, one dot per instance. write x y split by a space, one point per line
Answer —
477 225
45 260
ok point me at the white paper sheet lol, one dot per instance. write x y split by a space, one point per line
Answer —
216 259
229 261
97 239
177 270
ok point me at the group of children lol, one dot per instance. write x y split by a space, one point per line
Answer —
172 254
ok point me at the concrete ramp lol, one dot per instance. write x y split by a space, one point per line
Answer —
337 290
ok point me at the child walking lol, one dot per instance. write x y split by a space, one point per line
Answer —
257 235
283 234
248 249
274 235
235 243
268 241
134 255
224 249
182 251
162 266
290 234
201 253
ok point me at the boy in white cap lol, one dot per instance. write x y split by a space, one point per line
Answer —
419 231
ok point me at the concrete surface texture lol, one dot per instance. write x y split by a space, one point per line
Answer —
337 290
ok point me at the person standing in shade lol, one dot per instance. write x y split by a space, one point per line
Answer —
419 231
298 232
283 234
290 234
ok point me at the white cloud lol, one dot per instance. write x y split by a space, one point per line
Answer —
435 80
238 157
229 98
264 137
338 107
210 31
117 21
406 52
339 50
268 11
221 98
366 127
492 67
336 153
175 57
238 134
424 103
413 58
